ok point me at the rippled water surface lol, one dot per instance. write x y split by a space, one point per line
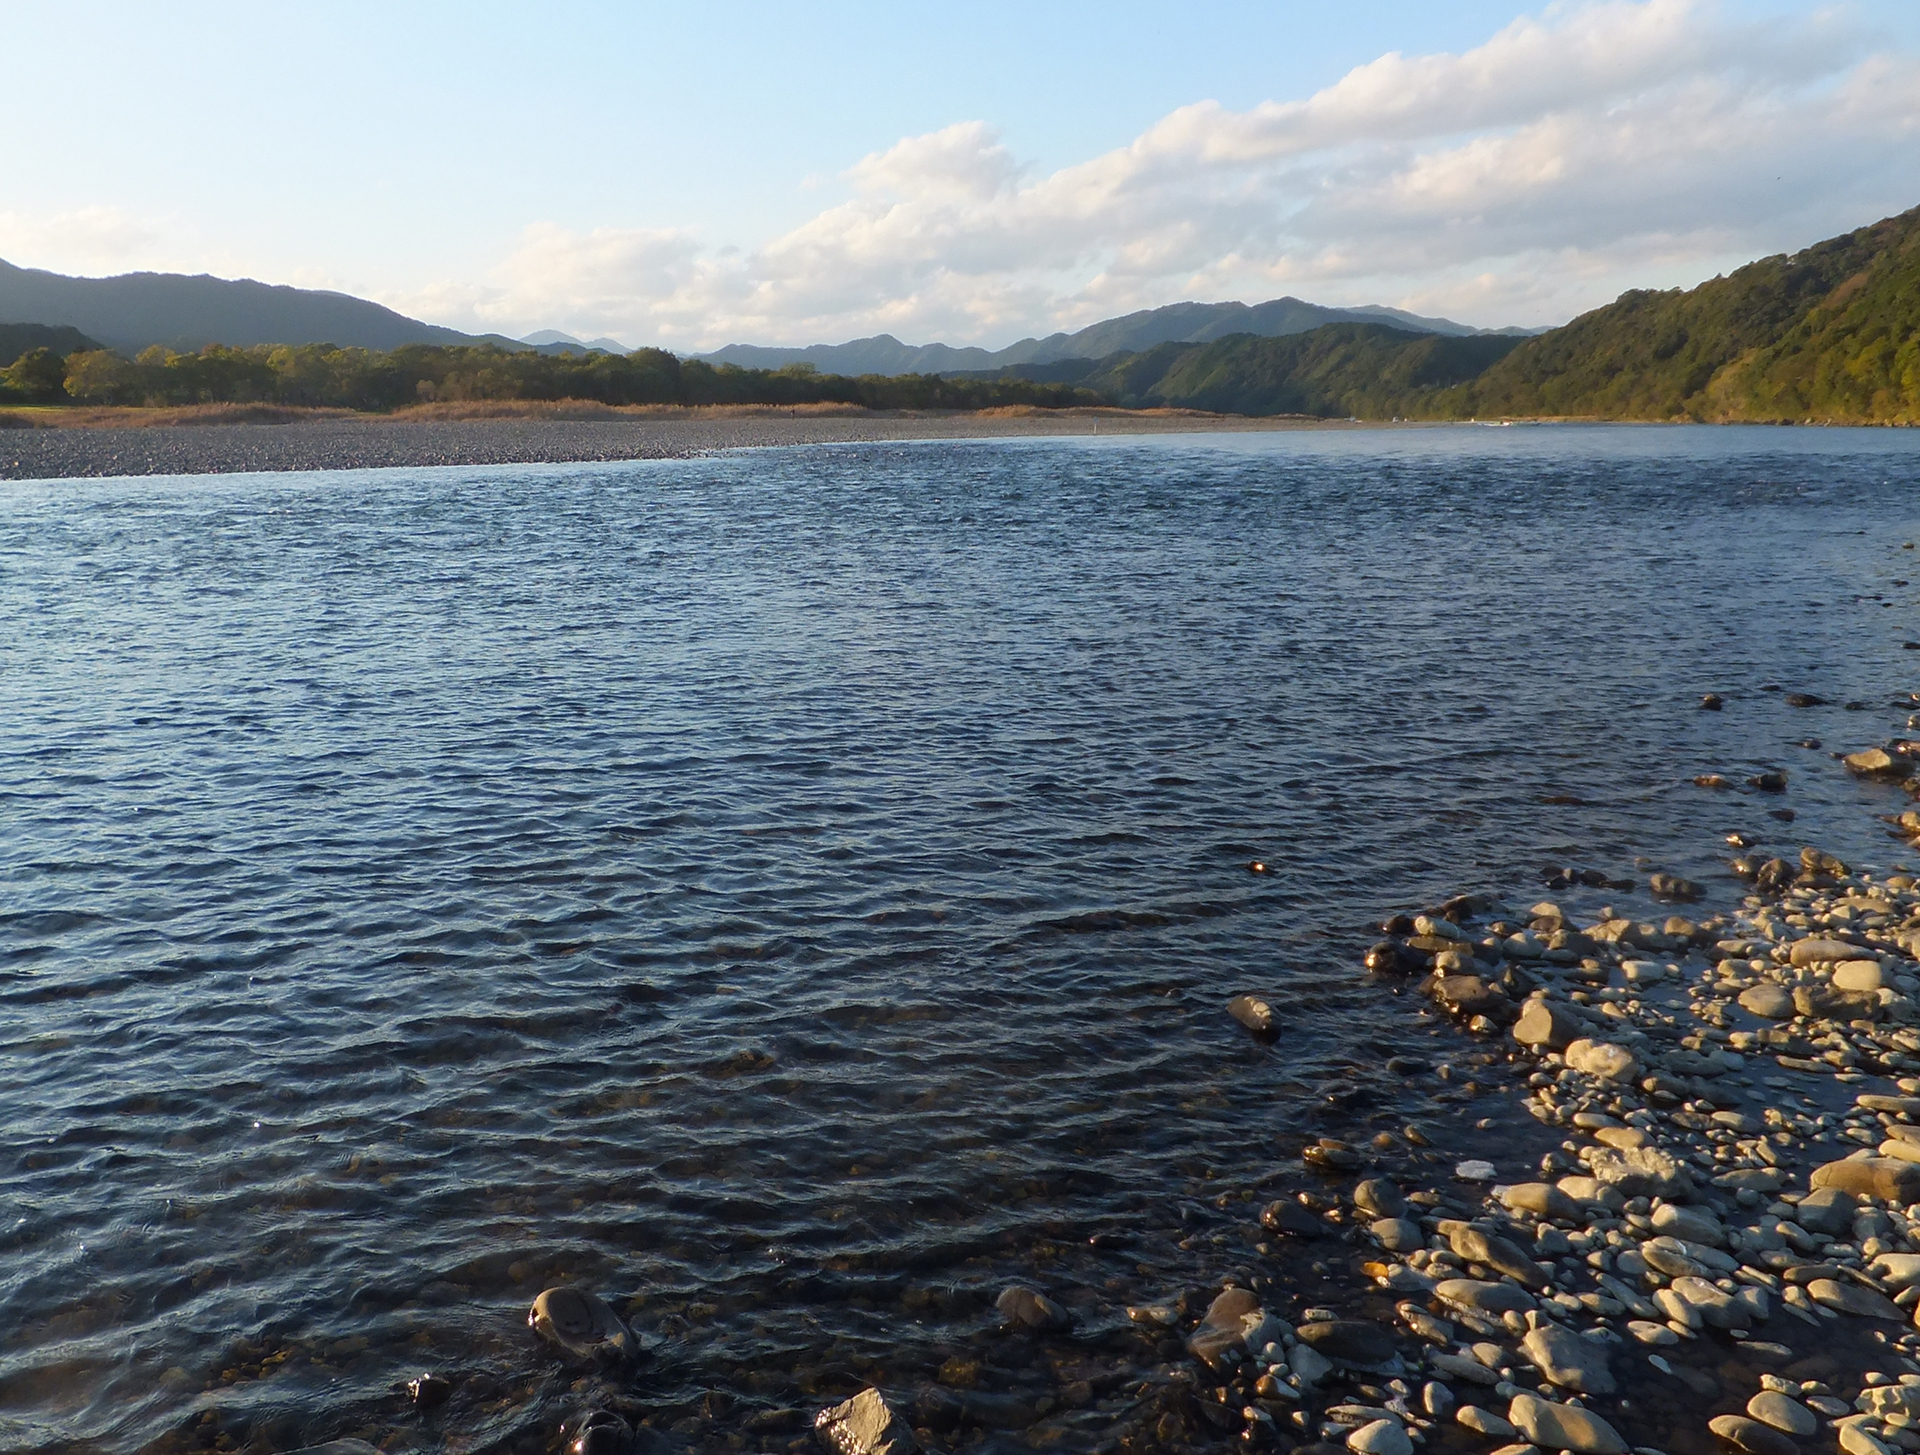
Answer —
793 891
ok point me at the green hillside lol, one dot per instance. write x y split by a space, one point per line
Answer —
1366 369
1831 333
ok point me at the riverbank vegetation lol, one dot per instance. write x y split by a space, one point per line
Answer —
1830 334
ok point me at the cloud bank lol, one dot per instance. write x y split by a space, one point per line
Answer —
1595 146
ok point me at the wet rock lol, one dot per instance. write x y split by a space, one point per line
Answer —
1825 1210
429 1391
1255 1013
864 1425
1348 1341
1547 1023
1878 763
1483 1297
1689 1224
1673 887
1024 1308
1379 1196
1469 995
1859 975
1330 1154
1397 1235
1789 1416
1290 1220
338 1447
1641 1172
1711 702
1381 1437
1483 1422
1222 1332
1822 1002
1563 1427
1769 1002
1805 699
1604 1059
1885 1178
602 1433
1851 1298
582 1324
1774 781
1388 958
1856 1441
1541 1199
1498 1253
1751 1436
1308 1364
1568 1360
1817 951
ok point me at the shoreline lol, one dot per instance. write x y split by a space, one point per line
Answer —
1723 1253
380 442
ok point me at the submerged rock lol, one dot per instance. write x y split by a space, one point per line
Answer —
1563 1427
582 1323
1348 1341
1024 1308
1256 1014
864 1425
602 1433
1568 1360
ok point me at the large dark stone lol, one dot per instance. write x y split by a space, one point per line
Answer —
1348 1341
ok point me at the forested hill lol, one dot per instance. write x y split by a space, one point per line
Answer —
1365 370
1831 333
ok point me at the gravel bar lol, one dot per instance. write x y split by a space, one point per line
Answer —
376 443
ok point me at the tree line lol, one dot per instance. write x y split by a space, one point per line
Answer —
321 375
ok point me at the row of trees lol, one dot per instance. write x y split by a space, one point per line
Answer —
363 379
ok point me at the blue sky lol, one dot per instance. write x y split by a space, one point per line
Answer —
698 174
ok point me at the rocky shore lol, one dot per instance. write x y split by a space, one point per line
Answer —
373 442
1707 1241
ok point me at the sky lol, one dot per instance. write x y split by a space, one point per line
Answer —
691 176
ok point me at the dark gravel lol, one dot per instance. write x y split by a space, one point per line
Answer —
371 444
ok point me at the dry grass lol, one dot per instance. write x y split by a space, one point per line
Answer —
132 416
20 419
459 409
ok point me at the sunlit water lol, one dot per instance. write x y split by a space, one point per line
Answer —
793 892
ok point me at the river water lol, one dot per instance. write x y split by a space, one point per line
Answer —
793 892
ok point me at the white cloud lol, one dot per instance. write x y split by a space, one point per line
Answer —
86 239
1594 147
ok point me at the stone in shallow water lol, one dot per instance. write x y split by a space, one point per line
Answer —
1497 1253
1770 1407
1569 1360
1349 1341
1398 1235
1483 1297
1382 1437
1379 1196
1542 1199
1255 1013
1023 1308
1604 1059
339 1447
581 1323
1751 1436
864 1425
1770 1002
1546 1023
1883 1177
1562 1427
1290 1220
1851 1298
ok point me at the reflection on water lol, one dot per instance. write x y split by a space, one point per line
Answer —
791 892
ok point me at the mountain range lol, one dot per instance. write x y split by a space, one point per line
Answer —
132 311
1830 333
1130 333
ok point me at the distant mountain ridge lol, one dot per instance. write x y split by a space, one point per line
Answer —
1130 333
134 310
